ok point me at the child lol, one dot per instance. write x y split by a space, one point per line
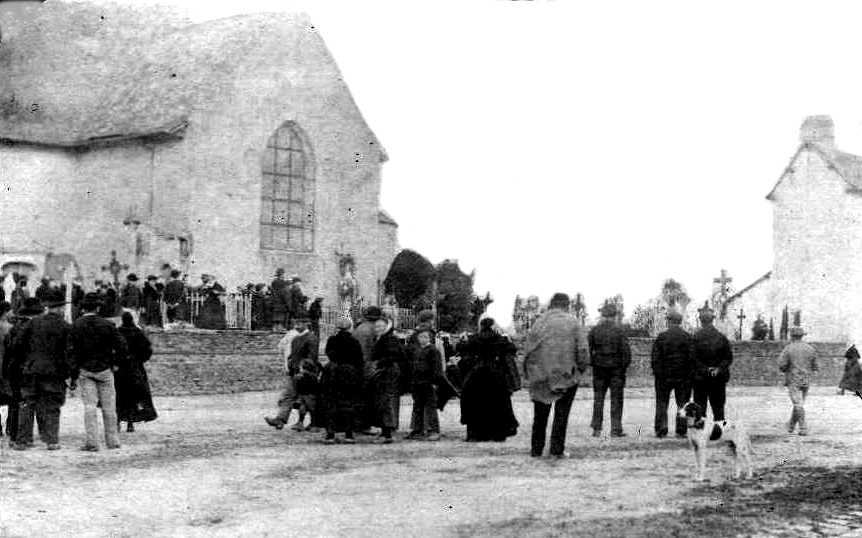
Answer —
307 387
427 370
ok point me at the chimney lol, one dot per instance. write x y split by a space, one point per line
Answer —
819 130
15 14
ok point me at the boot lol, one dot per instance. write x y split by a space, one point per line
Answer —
803 427
794 417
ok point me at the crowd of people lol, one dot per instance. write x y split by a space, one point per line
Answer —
165 300
357 388
369 368
40 353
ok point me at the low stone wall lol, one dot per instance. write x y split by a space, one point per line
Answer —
214 362
754 363
209 362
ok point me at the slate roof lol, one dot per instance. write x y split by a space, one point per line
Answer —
847 165
81 74
385 218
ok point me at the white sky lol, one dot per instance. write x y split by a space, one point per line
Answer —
598 147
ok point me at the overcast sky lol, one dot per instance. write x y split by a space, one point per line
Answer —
598 147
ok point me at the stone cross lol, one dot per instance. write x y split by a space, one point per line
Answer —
723 281
115 268
740 317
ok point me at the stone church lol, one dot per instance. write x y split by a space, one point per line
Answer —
231 147
817 227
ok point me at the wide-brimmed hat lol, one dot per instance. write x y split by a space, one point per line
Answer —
295 278
797 331
31 307
279 271
675 316
372 313
132 277
54 299
91 301
705 312
423 328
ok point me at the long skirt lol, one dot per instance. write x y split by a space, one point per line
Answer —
486 405
341 389
382 398
134 400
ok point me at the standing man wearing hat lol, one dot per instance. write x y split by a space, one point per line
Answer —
41 346
366 333
96 351
303 346
12 364
610 356
671 366
798 361
711 359
130 296
278 289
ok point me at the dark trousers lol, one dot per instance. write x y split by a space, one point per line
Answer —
714 391
12 420
681 392
425 418
541 412
615 380
41 398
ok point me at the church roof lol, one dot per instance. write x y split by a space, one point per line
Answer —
847 165
385 218
81 74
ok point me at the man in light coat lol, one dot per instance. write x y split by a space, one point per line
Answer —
556 355
798 361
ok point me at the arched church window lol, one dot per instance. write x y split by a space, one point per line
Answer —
287 192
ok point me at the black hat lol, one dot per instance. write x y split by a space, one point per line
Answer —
91 301
706 313
132 277
31 307
54 299
608 310
372 313
152 277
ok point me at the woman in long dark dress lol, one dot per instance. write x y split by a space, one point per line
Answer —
342 382
486 403
134 401
382 396
212 310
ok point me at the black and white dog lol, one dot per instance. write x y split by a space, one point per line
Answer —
702 431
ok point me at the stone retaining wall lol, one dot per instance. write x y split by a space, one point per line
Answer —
239 361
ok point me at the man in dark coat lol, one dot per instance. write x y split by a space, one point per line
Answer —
96 351
366 334
671 366
174 296
12 365
342 382
610 357
150 297
40 345
130 295
279 301
711 359
44 288
315 311
19 294
134 399
297 300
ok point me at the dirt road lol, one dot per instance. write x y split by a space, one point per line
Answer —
209 467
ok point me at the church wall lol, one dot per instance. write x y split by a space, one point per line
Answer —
755 301
74 201
816 230
285 82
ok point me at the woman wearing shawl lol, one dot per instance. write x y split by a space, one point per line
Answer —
383 397
852 379
342 382
486 403
134 401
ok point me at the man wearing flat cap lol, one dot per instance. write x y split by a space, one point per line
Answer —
610 357
13 364
711 359
798 361
671 365
41 348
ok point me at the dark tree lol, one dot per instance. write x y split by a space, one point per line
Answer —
454 298
409 278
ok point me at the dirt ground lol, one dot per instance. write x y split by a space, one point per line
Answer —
210 467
